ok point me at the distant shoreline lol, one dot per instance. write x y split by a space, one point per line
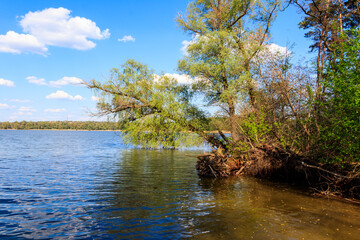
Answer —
83 130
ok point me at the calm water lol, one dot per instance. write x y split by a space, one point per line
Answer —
88 185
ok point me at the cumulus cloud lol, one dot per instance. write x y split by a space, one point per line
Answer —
35 80
6 83
55 110
64 95
276 49
55 27
271 52
66 81
127 38
13 42
52 27
59 83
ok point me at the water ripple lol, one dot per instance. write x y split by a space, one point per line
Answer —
89 185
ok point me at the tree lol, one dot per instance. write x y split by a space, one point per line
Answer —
340 126
227 37
286 96
325 21
154 110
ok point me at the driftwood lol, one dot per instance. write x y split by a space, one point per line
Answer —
274 163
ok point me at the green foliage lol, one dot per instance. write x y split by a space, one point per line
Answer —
227 36
213 61
156 132
340 127
155 110
255 130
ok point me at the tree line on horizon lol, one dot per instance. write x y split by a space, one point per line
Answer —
60 125
86 125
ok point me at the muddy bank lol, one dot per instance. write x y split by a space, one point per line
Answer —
277 164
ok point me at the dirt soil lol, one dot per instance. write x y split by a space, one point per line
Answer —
277 164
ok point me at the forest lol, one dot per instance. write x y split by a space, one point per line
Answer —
287 121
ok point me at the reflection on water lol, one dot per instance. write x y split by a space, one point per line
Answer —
88 185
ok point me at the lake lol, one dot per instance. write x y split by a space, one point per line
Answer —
89 185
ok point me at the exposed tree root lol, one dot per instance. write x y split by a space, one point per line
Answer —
274 163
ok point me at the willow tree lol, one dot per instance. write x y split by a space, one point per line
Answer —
157 111
228 35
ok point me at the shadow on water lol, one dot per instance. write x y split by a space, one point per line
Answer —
254 209
156 194
146 195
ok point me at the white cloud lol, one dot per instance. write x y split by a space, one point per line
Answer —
95 98
63 95
26 109
180 78
25 113
55 27
65 81
127 38
276 49
19 100
6 83
272 52
187 43
13 42
4 106
52 27
59 83
56 110
35 80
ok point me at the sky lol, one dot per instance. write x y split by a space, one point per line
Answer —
48 47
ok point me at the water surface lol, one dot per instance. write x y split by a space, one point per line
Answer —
89 185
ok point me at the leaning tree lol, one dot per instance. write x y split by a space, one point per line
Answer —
157 111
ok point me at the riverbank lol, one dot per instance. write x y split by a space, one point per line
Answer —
276 164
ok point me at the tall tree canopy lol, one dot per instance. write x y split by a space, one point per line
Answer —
156 110
227 37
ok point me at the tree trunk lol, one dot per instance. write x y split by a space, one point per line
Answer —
233 121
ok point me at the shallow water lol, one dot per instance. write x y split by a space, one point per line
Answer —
89 185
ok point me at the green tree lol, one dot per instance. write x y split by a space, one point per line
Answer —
154 110
340 125
228 35
325 21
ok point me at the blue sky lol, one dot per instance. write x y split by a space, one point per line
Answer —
46 47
